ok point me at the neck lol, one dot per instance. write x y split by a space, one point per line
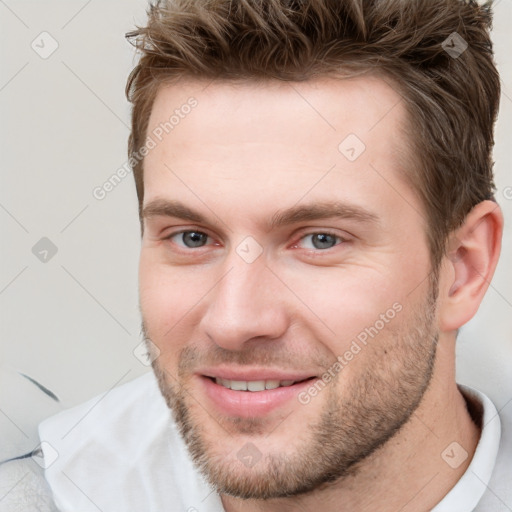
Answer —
413 471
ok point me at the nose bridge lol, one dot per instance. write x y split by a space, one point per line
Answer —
244 305
239 288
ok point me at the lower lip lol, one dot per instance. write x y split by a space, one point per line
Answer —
251 404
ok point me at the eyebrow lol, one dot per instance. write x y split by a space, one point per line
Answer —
165 208
323 210
297 213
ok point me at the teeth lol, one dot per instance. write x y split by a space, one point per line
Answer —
253 385
271 384
239 385
256 385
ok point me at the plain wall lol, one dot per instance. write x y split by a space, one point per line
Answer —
72 322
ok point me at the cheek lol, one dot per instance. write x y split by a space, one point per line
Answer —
344 298
167 299
346 303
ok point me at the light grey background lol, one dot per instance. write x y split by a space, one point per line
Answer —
73 322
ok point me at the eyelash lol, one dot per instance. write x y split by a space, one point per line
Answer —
339 239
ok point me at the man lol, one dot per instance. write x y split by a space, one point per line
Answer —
316 201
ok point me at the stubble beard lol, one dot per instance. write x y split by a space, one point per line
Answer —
351 427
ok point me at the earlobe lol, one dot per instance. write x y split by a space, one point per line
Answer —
471 260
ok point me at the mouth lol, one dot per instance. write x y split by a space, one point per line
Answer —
255 396
255 385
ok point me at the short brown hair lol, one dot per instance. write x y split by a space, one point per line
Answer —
452 100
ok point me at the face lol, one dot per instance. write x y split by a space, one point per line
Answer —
285 278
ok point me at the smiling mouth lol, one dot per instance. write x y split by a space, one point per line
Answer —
256 397
256 385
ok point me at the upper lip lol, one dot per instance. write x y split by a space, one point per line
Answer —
253 374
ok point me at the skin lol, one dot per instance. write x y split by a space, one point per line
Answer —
244 153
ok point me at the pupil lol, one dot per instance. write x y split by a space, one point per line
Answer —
194 239
323 241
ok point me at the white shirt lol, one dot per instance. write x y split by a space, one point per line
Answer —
122 452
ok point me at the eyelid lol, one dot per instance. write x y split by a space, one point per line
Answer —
176 230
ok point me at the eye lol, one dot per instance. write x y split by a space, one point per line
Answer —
189 239
320 241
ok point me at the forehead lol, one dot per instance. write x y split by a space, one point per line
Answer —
333 106
215 138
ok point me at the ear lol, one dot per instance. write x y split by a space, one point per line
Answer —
468 267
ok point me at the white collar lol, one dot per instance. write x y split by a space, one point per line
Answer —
468 491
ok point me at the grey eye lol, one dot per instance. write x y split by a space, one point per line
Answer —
321 241
192 239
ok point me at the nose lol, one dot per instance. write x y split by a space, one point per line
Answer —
246 304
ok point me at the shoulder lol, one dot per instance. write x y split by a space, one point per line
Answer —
110 410
24 403
121 420
23 488
119 451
